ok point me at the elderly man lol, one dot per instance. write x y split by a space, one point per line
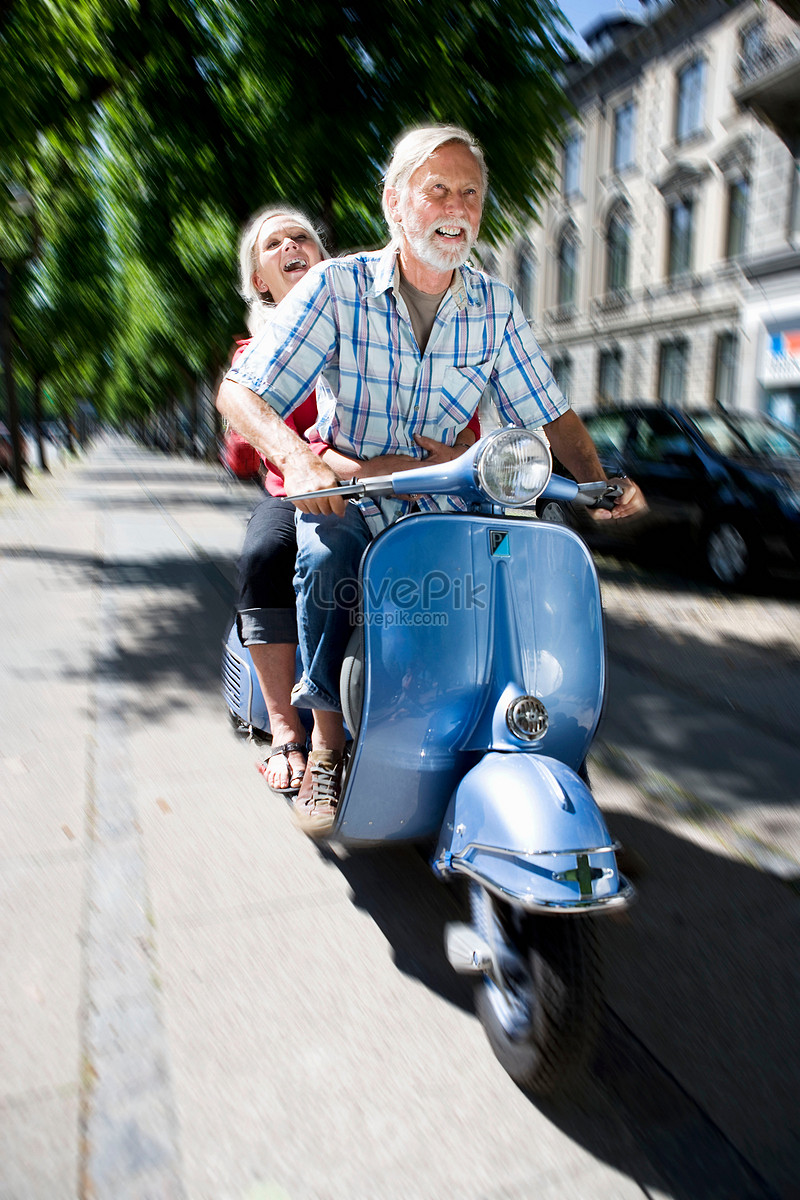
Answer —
402 345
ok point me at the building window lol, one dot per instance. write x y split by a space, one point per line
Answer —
618 243
567 267
752 48
738 209
573 149
725 370
674 360
525 278
609 381
624 120
562 373
691 99
681 230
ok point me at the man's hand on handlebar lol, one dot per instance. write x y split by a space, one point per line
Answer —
308 473
629 502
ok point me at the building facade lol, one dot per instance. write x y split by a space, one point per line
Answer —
667 266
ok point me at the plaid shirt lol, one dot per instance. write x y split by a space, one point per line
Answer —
345 327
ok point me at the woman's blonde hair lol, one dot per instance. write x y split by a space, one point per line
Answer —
261 304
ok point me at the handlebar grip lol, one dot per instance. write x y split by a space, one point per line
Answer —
604 500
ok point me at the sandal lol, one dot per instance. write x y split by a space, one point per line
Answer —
295 776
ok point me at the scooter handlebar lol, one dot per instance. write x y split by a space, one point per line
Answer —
592 495
380 485
598 495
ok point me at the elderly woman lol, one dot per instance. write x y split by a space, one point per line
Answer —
277 249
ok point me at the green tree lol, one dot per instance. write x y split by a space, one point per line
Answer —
181 117
321 91
55 61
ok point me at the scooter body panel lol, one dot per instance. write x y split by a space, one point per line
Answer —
241 689
240 684
461 613
527 827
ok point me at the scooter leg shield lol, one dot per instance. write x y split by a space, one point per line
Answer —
241 689
240 685
527 828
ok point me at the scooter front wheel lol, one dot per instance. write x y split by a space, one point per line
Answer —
540 1001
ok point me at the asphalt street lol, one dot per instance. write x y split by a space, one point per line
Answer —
200 1003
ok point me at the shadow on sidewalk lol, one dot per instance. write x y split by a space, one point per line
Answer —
156 473
169 617
233 501
698 1065
757 681
676 573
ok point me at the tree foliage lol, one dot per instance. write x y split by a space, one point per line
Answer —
147 131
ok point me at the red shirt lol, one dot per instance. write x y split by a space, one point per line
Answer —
302 420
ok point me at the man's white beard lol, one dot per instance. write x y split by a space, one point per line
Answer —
436 254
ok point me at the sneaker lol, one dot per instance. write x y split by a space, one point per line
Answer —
316 813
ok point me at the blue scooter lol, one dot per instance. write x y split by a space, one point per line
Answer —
473 685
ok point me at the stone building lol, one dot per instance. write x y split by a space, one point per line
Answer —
667 266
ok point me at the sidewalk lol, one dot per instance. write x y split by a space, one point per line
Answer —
200 1003
722 764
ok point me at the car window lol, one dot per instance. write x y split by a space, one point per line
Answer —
719 435
609 433
763 438
657 436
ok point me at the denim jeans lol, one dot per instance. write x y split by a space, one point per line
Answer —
329 550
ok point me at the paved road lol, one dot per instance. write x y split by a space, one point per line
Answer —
200 1003
704 699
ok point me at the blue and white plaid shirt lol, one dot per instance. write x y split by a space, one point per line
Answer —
346 329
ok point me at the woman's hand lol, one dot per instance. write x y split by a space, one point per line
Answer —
438 453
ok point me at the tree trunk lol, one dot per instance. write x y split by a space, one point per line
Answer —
791 8
20 482
69 430
37 419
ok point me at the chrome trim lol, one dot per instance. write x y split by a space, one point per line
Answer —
598 904
512 720
538 853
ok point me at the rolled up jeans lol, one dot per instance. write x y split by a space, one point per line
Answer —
266 603
329 550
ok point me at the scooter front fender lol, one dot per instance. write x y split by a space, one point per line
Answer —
527 828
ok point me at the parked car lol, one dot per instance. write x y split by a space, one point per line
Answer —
726 485
6 450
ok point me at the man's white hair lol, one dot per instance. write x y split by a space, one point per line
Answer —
415 148
261 304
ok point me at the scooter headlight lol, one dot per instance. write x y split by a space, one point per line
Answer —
513 466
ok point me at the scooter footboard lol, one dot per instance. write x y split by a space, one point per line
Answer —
527 828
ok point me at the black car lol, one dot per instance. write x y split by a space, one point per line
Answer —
726 485
6 450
